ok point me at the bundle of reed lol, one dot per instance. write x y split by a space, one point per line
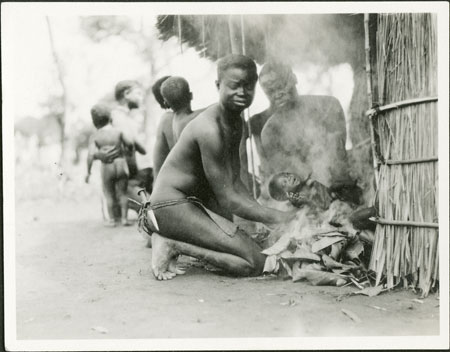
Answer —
406 246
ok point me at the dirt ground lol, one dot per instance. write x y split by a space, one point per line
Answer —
76 279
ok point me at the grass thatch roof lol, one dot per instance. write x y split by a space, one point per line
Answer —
329 39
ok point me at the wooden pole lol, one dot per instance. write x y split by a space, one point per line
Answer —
180 33
203 36
250 135
243 35
400 104
62 119
267 36
233 44
370 98
404 223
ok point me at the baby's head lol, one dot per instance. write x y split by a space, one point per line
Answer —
176 92
101 115
283 183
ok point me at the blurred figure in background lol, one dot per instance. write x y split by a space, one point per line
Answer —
177 96
114 174
128 95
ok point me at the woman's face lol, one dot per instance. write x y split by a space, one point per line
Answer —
236 89
279 91
134 96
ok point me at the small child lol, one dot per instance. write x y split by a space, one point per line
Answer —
114 174
289 186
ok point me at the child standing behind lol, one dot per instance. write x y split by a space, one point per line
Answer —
114 174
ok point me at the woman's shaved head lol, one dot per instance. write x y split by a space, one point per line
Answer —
237 61
176 92
278 82
280 68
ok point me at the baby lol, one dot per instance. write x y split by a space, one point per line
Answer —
289 186
114 174
299 192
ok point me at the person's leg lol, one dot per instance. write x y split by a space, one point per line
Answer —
212 204
121 184
165 252
132 164
108 174
121 188
186 229
116 208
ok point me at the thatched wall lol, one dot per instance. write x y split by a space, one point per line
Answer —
406 241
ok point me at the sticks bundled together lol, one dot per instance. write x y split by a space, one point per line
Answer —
407 69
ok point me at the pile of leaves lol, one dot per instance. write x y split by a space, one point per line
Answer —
323 249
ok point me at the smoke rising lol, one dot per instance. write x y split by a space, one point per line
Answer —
327 54
326 51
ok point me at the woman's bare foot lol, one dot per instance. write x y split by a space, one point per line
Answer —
164 258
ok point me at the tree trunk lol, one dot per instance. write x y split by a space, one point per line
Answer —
147 99
233 37
62 118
